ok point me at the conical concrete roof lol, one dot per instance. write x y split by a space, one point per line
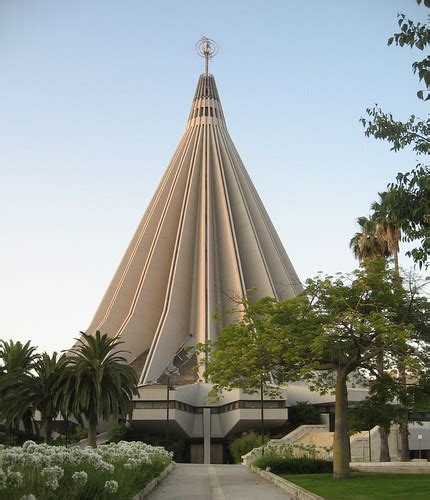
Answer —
204 237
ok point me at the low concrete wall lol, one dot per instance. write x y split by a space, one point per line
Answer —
297 434
292 489
100 439
150 486
392 467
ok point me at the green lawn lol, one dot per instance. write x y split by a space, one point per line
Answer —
365 486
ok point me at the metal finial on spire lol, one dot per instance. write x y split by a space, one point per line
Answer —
206 48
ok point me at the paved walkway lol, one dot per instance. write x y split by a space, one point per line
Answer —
215 482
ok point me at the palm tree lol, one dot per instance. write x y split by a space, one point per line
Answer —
17 376
47 389
99 382
388 230
366 244
389 233
369 245
17 357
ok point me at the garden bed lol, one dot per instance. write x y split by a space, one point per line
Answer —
113 471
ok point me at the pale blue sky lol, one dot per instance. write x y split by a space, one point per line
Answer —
95 96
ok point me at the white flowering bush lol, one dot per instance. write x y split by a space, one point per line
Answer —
80 477
111 486
118 470
298 450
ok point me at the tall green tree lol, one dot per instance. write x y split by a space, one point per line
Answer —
378 239
99 382
407 203
407 200
336 328
376 409
247 355
247 352
367 243
394 380
413 307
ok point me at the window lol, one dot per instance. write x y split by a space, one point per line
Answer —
153 405
266 404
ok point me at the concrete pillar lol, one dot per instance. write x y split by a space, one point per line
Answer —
207 435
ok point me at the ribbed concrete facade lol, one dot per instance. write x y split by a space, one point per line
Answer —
204 237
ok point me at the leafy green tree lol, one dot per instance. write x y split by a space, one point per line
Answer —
379 408
391 401
336 328
378 239
390 393
98 382
413 307
243 444
407 200
247 355
303 413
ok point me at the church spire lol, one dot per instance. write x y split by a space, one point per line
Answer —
206 48
204 238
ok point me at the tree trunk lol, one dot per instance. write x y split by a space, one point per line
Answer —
341 449
405 454
8 434
384 454
92 430
404 441
396 264
48 430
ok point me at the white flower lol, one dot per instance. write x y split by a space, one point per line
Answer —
111 486
53 484
53 476
2 479
49 462
105 467
28 497
29 445
80 477
54 472
14 479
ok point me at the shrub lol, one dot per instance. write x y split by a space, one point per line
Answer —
293 465
244 444
297 458
176 446
80 432
303 413
117 433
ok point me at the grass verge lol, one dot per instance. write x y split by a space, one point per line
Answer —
365 486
